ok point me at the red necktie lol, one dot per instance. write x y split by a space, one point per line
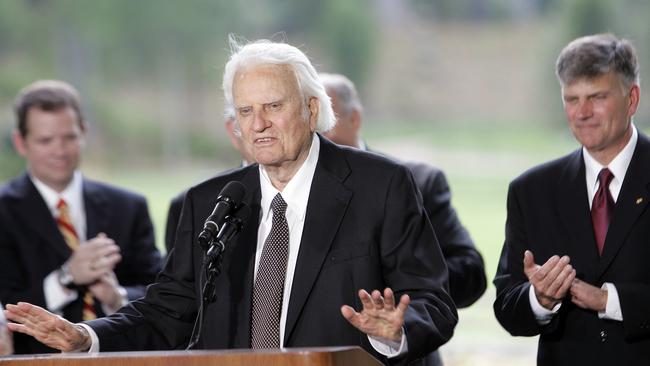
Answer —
72 239
602 208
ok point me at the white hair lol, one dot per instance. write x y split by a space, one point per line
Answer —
268 52
345 92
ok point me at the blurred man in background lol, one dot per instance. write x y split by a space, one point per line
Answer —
574 265
467 280
77 247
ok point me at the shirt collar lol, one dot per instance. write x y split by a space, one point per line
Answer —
71 194
296 192
618 166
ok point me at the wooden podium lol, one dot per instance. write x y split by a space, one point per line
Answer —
326 356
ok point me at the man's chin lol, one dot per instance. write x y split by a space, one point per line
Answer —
265 160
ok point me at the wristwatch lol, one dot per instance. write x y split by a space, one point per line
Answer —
65 277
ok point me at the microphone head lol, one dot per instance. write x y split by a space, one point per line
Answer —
228 200
234 191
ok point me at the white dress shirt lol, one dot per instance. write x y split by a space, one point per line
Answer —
618 166
296 195
57 296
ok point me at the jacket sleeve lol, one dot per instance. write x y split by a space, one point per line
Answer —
512 306
164 317
173 216
467 280
413 264
144 260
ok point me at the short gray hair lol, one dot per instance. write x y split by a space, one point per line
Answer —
345 91
276 53
595 55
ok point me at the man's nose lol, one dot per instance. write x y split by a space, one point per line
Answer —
260 122
585 109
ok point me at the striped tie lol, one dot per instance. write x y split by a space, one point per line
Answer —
72 239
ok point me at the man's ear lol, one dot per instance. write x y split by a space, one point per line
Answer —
314 109
83 126
635 96
233 133
19 143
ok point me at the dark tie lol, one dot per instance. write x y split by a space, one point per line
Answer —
69 233
602 208
269 283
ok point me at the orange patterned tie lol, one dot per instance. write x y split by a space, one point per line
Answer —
72 239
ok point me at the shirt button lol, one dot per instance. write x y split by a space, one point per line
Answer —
603 336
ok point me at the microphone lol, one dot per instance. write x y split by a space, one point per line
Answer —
227 201
231 226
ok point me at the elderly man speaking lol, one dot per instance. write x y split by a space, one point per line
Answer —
337 243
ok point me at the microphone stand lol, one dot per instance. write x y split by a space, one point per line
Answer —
212 261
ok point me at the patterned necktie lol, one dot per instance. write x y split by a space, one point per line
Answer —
72 239
602 208
269 284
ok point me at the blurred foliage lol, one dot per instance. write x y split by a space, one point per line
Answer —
149 70
144 67
481 10
590 17
347 29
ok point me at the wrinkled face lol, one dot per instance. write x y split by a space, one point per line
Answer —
274 125
52 146
599 112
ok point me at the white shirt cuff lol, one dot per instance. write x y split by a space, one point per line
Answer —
542 314
389 348
94 346
613 306
57 296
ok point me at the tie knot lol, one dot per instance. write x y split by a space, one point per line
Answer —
605 177
61 205
278 205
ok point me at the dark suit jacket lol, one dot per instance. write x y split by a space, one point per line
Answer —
467 280
364 228
31 246
173 217
548 213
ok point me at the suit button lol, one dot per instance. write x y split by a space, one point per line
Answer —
603 336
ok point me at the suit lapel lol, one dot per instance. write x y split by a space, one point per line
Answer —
631 202
37 217
574 211
328 200
96 206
